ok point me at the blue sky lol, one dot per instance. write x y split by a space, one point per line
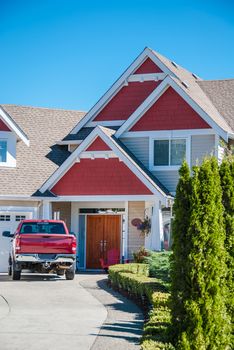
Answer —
66 53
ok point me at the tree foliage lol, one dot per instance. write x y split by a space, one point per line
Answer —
202 321
180 248
227 182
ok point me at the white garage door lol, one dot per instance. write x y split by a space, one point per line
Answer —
9 222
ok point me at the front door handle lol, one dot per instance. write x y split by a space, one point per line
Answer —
101 246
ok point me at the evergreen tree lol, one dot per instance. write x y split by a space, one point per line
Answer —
227 182
206 324
180 248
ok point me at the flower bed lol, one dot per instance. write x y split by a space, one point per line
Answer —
134 280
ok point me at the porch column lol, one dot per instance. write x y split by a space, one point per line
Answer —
46 210
156 226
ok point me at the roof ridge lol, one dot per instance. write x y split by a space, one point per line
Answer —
207 80
48 108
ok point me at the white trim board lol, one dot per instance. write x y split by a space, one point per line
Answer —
146 77
167 133
122 81
154 96
147 181
107 198
13 126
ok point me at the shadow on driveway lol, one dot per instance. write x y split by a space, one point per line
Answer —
123 326
27 277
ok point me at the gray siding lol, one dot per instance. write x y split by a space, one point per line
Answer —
169 178
139 146
135 239
201 146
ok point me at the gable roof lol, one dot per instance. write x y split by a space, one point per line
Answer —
13 126
190 83
37 162
107 135
201 91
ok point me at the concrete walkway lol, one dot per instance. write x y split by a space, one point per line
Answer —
48 312
122 328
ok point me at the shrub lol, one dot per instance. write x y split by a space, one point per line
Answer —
140 255
140 286
159 266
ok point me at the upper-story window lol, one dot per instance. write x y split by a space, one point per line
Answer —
3 151
169 152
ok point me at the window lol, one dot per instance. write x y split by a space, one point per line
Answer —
20 217
169 152
5 218
43 227
3 151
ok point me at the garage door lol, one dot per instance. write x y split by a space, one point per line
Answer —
8 222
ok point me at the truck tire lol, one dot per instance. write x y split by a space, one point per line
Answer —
70 274
16 274
9 270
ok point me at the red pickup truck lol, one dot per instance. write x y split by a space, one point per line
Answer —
43 246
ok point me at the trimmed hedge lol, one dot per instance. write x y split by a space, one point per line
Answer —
147 290
139 269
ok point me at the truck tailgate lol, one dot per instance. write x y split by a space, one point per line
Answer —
46 243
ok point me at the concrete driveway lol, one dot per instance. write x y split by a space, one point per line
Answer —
41 312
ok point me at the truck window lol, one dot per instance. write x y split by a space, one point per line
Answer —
42 227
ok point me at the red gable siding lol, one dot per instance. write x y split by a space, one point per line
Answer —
126 101
99 177
170 112
148 67
98 145
3 126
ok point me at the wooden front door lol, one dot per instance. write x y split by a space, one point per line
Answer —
103 234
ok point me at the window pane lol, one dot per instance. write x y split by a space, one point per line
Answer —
161 152
43 227
178 151
3 151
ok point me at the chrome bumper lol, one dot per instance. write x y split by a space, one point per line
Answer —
34 258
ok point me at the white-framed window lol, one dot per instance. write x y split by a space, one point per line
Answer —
3 151
168 153
7 149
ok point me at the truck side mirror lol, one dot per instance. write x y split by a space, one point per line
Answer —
7 234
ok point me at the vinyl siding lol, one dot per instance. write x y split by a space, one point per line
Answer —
135 239
139 146
169 178
201 146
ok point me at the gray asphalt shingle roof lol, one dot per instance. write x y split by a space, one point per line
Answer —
198 90
221 93
44 127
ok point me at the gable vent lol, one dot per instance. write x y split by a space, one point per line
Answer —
185 84
174 64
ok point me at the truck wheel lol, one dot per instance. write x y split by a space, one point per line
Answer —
70 274
16 274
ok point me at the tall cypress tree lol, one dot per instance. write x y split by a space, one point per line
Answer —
227 182
206 324
180 249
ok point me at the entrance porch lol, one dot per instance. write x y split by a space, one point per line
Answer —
101 226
